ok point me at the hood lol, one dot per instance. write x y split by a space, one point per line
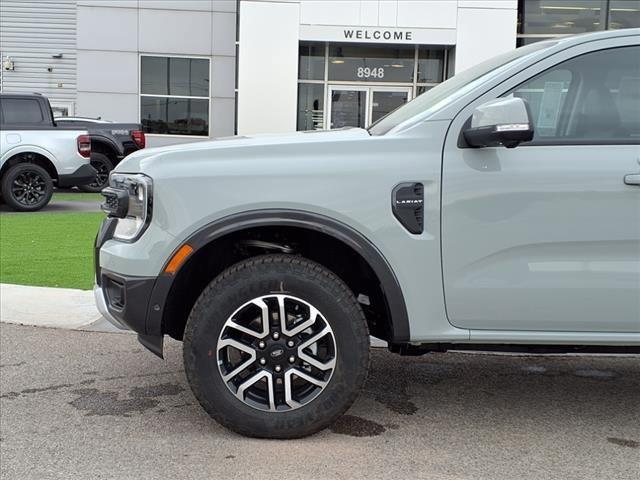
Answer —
143 159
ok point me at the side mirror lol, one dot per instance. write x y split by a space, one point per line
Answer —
504 121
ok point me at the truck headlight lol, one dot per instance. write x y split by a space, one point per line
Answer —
129 197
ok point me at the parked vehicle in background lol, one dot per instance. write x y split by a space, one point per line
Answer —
35 155
500 210
110 143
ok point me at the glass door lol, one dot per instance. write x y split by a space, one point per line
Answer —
386 100
360 106
348 107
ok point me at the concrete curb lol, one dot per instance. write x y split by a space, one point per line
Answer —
61 308
51 307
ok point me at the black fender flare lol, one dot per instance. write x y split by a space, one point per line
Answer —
107 143
389 284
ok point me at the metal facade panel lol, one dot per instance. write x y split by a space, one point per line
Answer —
33 33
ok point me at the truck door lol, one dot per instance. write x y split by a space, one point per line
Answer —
546 236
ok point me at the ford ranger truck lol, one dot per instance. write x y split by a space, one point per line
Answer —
498 211
35 155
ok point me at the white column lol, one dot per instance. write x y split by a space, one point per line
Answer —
485 29
268 66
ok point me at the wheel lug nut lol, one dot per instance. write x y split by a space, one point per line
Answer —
276 335
292 359
278 368
262 344
263 361
290 343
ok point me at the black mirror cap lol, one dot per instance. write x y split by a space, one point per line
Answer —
509 136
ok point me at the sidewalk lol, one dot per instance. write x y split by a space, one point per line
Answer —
51 307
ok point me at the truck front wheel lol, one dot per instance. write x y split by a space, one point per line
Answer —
27 187
276 347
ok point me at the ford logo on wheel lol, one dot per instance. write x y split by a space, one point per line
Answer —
276 353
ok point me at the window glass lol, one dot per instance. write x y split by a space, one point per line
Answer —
371 64
311 61
592 97
348 108
175 116
154 73
546 96
420 89
310 106
624 14
384 102
21 111
175 76
558 17
430 65
522 41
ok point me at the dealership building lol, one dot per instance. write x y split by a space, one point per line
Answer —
198 69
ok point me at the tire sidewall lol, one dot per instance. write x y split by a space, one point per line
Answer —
7 182
216 305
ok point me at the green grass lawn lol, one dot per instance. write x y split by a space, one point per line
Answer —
77 197
48 249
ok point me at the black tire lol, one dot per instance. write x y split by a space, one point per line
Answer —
262 277
103 166
27 187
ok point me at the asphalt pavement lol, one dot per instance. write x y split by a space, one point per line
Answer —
79 205
78 405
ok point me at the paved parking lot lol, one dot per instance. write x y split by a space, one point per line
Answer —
96 405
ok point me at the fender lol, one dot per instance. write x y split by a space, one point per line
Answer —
390 286
108 142
26 148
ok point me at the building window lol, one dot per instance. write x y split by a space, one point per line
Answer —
311 61
357 63
544 19
623 14
348 84
175 95
310 106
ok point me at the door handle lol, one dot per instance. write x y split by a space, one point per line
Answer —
632 179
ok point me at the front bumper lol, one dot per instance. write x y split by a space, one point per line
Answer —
84 175
126 301
101 303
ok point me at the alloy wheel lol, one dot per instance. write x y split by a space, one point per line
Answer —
276 353
28 188
102 174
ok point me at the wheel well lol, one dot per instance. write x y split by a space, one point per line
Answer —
102 147
209 261
30 157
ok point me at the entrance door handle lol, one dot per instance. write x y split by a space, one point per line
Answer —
632 179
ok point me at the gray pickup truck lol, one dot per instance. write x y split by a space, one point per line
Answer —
498 211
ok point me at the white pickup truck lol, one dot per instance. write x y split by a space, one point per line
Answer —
35 153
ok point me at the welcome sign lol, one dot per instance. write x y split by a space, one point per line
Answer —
422 36
375 34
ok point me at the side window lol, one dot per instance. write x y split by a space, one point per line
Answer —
593 98
21 111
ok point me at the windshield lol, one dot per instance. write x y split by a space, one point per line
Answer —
451 89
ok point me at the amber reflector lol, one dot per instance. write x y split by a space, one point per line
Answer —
178 259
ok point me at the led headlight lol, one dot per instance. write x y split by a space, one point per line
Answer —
129 197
